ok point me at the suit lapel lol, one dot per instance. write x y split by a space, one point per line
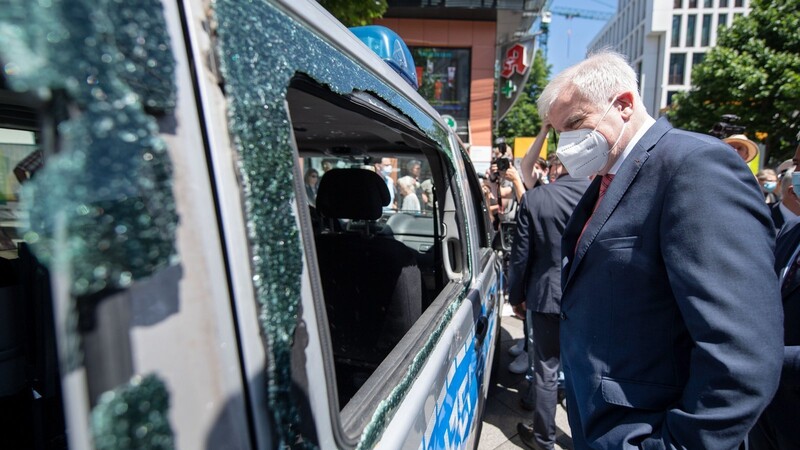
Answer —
616 191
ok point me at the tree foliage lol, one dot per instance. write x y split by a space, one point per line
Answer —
754 73
353 13
523 118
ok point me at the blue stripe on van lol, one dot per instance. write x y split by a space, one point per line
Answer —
455 408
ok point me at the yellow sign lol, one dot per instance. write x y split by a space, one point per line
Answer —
753 165
522 144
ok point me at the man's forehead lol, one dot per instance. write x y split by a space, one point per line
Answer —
570 106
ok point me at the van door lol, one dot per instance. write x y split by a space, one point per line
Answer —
114 244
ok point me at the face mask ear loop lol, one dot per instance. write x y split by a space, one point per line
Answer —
620 137
608 108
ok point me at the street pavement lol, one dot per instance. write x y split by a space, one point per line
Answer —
499 430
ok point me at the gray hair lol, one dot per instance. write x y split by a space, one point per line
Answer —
599 78
406 182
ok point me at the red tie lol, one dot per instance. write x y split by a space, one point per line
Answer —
604 184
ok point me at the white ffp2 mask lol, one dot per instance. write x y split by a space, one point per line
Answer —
584 152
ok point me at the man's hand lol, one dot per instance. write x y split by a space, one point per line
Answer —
512 174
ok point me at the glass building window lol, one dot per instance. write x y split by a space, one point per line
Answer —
692 3
708 3
738 3
697 58
670 94
677 4
691 22
723 3
705 35
722 20
676 30
677 68
444 81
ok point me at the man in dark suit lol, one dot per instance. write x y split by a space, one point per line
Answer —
535 291
789 205
672 329
776 429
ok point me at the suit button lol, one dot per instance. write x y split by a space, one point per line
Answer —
563 316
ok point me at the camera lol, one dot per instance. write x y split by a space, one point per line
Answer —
726 127
502 163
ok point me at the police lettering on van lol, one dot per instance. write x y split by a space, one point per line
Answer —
172 278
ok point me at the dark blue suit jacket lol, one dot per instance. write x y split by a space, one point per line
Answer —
534 270
777 215
782 416
672 331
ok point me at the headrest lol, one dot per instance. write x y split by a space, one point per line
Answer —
358 194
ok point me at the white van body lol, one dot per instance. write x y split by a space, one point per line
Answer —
175 274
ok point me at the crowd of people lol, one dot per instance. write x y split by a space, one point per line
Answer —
408 192
654 270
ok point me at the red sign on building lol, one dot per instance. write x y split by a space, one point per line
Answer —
516 60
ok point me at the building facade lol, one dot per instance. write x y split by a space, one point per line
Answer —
456 45
665 39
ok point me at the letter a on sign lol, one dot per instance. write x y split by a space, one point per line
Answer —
515 61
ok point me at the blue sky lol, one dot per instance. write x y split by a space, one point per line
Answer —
569 37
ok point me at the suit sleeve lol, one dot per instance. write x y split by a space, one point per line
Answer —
520 252
717 242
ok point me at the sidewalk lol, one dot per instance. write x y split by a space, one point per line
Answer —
502 407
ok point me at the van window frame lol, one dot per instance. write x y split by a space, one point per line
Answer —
357 415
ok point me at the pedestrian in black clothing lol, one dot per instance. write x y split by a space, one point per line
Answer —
535 290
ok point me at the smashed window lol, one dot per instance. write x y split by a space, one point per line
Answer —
86 187
106 179
262 49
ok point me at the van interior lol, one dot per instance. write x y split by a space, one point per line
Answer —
376 190
31 407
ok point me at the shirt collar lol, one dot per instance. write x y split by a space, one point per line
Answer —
646 126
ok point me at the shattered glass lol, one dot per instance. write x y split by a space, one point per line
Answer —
99 67
134 416
109 182
261 49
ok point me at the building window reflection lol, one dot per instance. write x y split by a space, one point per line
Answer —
677 68
444 81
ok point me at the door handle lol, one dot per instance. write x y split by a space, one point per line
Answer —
481 328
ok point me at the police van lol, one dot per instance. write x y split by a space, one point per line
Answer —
233 224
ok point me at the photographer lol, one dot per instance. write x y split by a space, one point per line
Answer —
733 135
505 182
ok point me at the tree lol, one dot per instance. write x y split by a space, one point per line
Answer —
523 118
353 13
754 73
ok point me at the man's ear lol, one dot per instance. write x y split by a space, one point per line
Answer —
625 103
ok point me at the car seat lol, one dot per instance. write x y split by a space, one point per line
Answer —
371 283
